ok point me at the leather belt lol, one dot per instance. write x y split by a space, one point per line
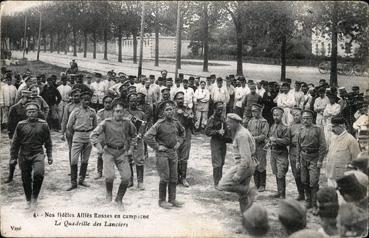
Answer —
310 151
115 147
83 130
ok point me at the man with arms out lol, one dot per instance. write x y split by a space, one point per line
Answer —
81 122
311 149
237 179
119 135
165 137
259 128
29 138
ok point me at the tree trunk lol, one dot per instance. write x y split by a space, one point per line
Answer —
45 41
85 45
206 38
66 48
239 48
156 35
74 42
105 44
180 43
333 75
51 42
119 45
58 42
94 43
283 57
134 47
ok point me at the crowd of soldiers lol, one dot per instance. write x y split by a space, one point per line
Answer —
122 115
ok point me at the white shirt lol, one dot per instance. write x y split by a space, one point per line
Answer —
321 103
203 95
361 123
219 94
8 94
331 111
299 96
64 91
99 89
240 94
189 96
285 100
260 91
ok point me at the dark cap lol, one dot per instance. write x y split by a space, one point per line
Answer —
98 75
178 93
292 215
255 220
256 107
219 79
165 89
277 108
169 79
349 185
84 93
165 104
76 90
328 202
32 106
151 76
130 87
218 103
131 77
184 80
338 120
308 111
131 95
285 84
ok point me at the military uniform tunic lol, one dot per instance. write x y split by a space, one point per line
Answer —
139 152
279 152
183 115
259 130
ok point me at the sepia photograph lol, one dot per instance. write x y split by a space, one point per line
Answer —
184 119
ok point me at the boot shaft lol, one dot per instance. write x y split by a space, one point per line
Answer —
121 191
162 191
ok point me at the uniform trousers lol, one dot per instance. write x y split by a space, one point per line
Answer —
167 164
118 158
309 170
32 172
80 149
279 163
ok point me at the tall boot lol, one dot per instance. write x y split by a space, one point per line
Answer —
262 181
184 174
172 190
99 166
179 172
109 191
37 183
220 172
140 177
307 197
82 175
216 177
283 187
120 194
278 194
314 200
132 175
257 179
73 177
300 189
11 173
163 196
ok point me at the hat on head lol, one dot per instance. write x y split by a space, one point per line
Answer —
184 80
120 74
298 83
131 95
178 80
88 76
234 117
250 81
163 71
87 92
256 107
322 81
338 120
131 86
219 79
361 162
277 108
31 106
26 93
308 111
98 75
255 220
191 78
165 89
213 76
141 94
165 104
355 88
151 76
349 185
328 202
180 75
218 103
178 93
131 77
107 96
295 109
202 80
285 84
292 215
360 176
74 91
169 79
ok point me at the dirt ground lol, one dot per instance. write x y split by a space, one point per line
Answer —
207 212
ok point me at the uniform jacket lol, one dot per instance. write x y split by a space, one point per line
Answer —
81 122
279 131
259 129
311 142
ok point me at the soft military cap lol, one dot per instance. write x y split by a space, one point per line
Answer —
255 220
292 214
256 107
277 108
234 117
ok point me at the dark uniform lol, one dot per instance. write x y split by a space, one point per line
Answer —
311 149
268 103
295 129
279 154
119 137
186 117
28 141
81 122
169 134
218 142
259 128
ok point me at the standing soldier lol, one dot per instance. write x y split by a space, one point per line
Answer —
42 104
259 128
76 102
238 178
52 97
99 89
138 118
64 90
186 117
119 135
295 129
165 137
278 140
29 138
81 122
311 149
219 93
202 97
215 128
101 115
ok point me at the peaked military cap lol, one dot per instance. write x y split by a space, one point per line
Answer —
178 93
131 95
256 106
32 105
98 75
165 89
255 220
292 214
234 117
308 111
338 120
277 108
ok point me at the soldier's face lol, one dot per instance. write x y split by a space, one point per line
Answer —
76 97
86 100
304 89
32 113
166 95
338 129
307 119
107 103
168 112
133 102
34 92
219 110
277 116
185 84
203 85
256 113
118 112
296 116
180 100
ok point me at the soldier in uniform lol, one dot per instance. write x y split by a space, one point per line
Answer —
259 128
101 115
238 178
215 128
123 89
293 134
311 149
81 122
165 97
76 102
278 140
148 109
42 104
138 118
80 85
186 117
29 138
119 135
165 137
